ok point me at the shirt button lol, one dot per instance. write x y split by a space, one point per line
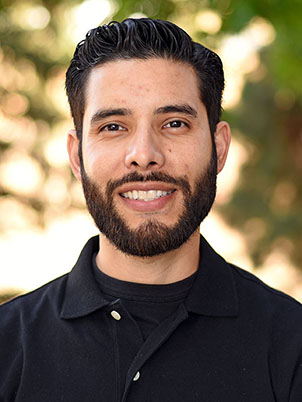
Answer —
115 315
136 377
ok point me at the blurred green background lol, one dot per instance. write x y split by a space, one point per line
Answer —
260 44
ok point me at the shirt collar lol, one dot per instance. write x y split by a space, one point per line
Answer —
82 294
213 292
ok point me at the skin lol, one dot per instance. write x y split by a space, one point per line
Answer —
145 136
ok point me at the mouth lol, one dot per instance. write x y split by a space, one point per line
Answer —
146 195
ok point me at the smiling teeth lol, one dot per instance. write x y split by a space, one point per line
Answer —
145 195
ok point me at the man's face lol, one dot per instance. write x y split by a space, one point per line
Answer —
149 170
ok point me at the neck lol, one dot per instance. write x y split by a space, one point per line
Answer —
169 267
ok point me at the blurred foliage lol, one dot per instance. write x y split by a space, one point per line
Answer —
36 45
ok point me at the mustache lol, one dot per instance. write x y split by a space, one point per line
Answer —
181 182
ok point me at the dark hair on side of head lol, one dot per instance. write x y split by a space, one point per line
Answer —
143 38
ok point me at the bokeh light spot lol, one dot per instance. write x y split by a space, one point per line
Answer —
30 17
20 174
208 21
87 15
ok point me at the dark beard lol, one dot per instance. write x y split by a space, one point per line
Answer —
151 237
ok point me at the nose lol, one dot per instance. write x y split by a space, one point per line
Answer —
145 151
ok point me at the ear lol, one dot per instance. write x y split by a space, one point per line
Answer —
222 137
73 152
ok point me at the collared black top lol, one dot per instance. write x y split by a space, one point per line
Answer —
232 339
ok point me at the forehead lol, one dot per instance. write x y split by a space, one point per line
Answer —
138 83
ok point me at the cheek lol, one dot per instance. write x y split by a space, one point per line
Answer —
101 161
92 162
194 161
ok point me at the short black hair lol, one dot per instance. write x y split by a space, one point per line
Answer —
143 38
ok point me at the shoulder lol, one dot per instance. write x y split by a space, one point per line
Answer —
24 321
50 297
251 295
19 310
251 283
276 308
274 322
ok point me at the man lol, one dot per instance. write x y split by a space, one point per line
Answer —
150 312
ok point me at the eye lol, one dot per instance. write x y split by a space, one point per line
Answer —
176 124
112 127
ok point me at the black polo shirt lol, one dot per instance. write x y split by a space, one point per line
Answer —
231 339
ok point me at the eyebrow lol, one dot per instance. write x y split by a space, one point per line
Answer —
103 113
185 109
